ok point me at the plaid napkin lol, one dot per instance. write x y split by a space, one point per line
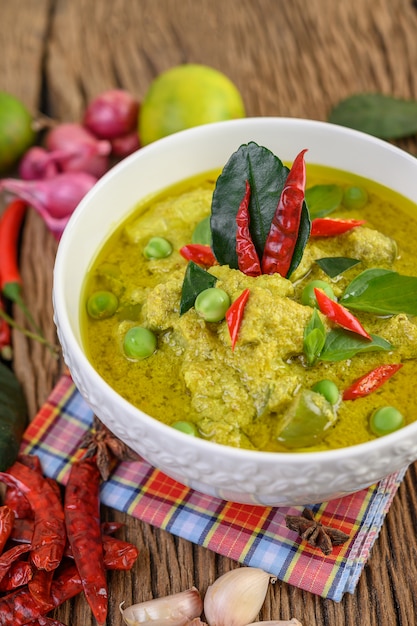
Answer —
252 535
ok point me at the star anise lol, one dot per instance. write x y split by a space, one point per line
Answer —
315 533
106 447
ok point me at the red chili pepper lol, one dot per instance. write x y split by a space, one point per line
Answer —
282 237
10 225
40 587
19 608
339 314
371 381
109 528
6 525
82 519
45 621
247 256
327 227
234 316
22 530
49 536
10 556
19 574
18 502
10 279
199 253
5 335
119 554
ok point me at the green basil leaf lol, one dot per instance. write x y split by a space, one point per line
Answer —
196 280
342 344
202 233
302 238
377 114
266 175
335 265
323 199
382 292
314 338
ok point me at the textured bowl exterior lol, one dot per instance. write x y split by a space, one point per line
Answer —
274 479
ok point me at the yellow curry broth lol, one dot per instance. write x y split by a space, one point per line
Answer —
156 384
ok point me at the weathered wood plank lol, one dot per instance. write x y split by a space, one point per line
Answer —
293 59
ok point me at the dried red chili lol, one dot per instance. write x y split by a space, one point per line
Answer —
282 237
23 530
234 316
339 314
199 253
45 621
82 519
18 502
328 227
49 537
18 574
371 381
119 554
40 587
247 256
6 525
10 556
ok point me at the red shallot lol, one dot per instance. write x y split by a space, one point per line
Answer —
111 114
37 164
53 198
125 144
75 149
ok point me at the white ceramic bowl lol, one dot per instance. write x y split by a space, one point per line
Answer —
276 479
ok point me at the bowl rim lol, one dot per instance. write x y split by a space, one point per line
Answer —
62 320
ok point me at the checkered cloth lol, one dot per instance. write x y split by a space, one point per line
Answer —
252 535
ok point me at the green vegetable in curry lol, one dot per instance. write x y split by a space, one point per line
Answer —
167 346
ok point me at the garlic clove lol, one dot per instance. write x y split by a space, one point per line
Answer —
176 610
279 622
236 598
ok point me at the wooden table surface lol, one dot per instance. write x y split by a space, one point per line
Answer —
292 58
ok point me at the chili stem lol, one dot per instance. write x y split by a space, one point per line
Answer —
31 335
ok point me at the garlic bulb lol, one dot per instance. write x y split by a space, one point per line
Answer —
236 598
176 610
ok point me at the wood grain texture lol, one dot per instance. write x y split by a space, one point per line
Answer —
294 59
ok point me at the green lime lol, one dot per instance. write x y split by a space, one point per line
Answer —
16 130
186 96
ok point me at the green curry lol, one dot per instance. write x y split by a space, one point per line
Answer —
245 397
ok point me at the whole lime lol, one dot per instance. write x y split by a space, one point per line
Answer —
16 130
185 96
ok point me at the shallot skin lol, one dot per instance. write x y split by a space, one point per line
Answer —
53 198
37 164
75 149
112 114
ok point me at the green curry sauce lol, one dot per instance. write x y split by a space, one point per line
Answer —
239 397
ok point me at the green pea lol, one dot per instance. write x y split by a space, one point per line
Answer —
102 304
308 297
157 248
212 304
202 232
355 197
186 427
328 389
385 420
139 343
